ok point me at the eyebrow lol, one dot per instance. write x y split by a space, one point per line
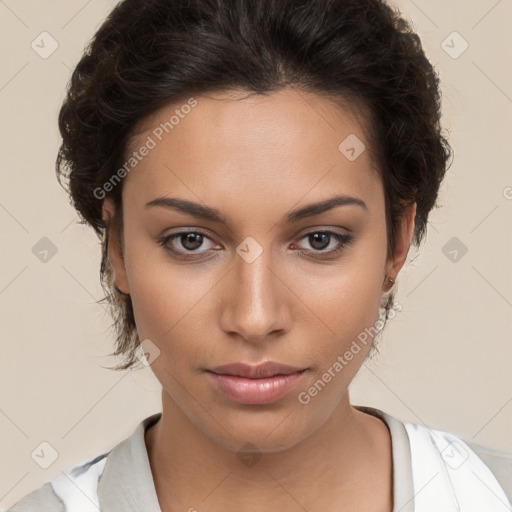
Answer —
206 212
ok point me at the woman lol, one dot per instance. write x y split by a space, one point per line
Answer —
257 171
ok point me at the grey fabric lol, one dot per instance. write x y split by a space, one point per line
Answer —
126 484
43 499
403 491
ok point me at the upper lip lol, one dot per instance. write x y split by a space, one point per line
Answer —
259 371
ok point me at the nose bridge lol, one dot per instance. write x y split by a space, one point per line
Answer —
255 304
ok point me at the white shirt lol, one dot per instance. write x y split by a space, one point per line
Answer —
120 480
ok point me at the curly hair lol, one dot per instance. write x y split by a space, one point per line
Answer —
148 54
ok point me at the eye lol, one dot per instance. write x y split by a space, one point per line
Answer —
189 241
320 240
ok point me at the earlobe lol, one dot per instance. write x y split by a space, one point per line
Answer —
114 246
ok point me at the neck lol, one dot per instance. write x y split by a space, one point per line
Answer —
347 458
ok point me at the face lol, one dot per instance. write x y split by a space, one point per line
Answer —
254 283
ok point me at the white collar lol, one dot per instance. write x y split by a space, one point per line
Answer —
449 476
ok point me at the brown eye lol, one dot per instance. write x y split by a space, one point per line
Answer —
185 244
191 241
320 240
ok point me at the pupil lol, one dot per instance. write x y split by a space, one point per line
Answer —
316 238
194 237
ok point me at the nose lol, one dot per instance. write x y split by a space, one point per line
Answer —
255 300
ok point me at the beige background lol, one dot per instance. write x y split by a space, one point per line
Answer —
445 359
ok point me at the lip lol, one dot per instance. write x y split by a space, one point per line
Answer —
255 384
255 371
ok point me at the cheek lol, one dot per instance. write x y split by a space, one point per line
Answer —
350 299
350 307
169 303
350 310
157 292
163 304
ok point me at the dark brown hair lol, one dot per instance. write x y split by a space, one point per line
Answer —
149 54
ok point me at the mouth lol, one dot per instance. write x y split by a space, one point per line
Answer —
258 371
255 384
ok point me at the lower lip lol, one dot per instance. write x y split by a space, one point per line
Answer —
256 391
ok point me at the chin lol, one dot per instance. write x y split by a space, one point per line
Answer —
257 443
268 433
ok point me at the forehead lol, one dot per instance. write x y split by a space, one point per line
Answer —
288 144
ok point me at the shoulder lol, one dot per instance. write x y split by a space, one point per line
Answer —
74 490
469 469
499 462
115 480
441 467
43 499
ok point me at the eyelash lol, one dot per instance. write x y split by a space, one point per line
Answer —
343 242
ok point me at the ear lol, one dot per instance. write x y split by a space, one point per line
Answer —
115 246
404 235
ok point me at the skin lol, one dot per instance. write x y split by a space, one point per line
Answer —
255 159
